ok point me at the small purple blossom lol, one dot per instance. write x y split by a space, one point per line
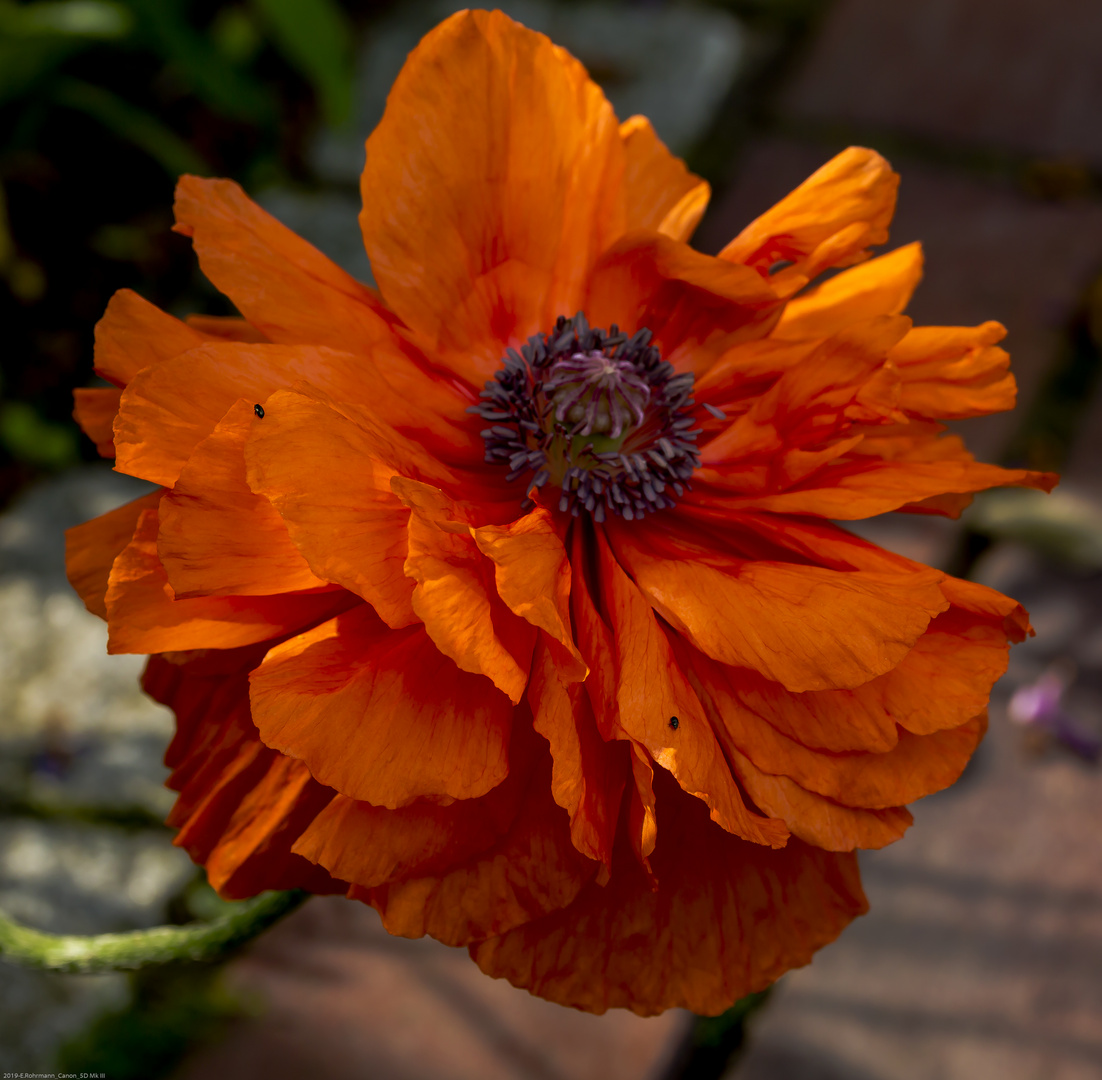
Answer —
1040 705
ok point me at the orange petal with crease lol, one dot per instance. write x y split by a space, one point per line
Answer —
379 714
216 537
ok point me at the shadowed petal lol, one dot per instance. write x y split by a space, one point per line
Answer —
455 594
95 410
598 648
241 806
226 327
652 691
917 766
372 845
961 653
532 575
380 714
822 822
143 617
531 870
91 549
696 306
589 775
328 477
167 409
727 918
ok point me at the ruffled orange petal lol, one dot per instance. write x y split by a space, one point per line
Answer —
727 918
659 709
134 333
380 714
241 805
370 845
971 596
455 595
863 485
492 184
954 372
659 191
695 305
531 871
327 469
831 219
216 537
532 576
589 774
822 822
831 545
964 656
460 871
253 815
916 766
167 409
881 286
143 617
94 409
391 377
805 627
598 648
284 286
815 402
91 549
962 652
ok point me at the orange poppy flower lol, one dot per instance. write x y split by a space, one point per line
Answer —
534 631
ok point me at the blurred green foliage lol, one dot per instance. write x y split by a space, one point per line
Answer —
714 1043
25 435
103 104
173 1009
313 35
317 39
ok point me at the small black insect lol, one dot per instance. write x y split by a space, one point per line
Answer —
259 410
674 723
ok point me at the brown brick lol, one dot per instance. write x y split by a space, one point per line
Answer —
980 957
991 253
1020 74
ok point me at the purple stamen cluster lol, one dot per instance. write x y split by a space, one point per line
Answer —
577 383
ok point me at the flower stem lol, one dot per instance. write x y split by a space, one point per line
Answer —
94 953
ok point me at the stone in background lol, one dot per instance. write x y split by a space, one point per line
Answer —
79 741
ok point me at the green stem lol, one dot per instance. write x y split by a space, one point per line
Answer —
144 948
